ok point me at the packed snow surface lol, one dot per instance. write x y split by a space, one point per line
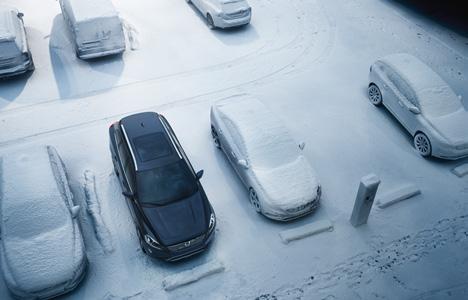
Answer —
42 250
281 170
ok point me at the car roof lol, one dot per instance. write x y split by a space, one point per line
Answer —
84 10
416 73
258 132
7 29
434 95
148 124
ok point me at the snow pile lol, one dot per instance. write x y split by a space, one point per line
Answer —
94 210
461 170
305 231
398 194
183 278
132 34
42 249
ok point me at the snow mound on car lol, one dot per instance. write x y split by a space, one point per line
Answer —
40 246
284 173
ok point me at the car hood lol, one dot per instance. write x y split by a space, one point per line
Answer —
453 127
35 264
180 221
289 185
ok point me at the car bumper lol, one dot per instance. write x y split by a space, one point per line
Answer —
170 256
17 70
289 216
227 23
450 153
98 52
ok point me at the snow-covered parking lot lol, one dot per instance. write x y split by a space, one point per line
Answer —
308 61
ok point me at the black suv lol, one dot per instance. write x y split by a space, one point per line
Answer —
172 214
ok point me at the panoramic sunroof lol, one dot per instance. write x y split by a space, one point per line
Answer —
152 146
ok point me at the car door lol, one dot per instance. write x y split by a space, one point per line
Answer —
406 104
233 150
199 5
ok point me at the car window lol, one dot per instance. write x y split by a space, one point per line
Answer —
166 184
239 145
152 146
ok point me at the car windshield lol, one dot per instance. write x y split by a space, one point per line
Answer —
166 184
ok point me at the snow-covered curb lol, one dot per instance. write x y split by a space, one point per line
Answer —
461 170
398 194
183 278
305 231
94 210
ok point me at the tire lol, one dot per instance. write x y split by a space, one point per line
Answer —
188 1
375 96
210 22
214 135
140 240
253 197
422 144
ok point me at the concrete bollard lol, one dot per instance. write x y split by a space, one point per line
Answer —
364 199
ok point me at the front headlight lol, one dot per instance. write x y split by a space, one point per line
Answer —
25 56
319 191
212 221
152 242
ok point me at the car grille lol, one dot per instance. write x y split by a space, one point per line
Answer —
237 15
187 244
306 206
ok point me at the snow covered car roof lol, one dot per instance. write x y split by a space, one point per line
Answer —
7 29
434 95
84 10
42 249
284 173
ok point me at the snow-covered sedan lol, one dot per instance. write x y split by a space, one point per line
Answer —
15 57
42 250
423 103
224 13
281 183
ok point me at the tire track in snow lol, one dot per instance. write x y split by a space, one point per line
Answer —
362 268
305 40
245 59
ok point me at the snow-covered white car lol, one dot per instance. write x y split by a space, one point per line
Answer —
95 26
224 13
15 57
282 185
42 250
423 103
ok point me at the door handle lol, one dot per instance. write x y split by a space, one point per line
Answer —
401 103
233 154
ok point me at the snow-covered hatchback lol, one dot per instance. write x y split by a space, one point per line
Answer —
282 185
15 57
423 103
42 250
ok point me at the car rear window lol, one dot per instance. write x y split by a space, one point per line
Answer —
152 146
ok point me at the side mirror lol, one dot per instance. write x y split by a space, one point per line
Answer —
243 163
75 210
414 110
302 145
200 174
128 194
20 15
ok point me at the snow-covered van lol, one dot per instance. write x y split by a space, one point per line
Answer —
95 26
15 57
